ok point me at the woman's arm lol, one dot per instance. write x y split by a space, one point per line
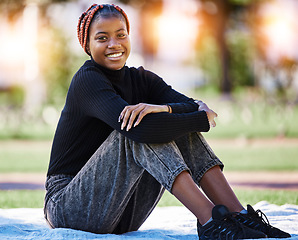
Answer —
165 98
96 98
132 115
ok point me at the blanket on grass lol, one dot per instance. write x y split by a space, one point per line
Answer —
164 223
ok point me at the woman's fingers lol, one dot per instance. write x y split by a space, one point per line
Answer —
142 114
132 115
213 123
211 116
210 113
133 112
128 115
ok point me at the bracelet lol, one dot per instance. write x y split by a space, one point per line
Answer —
169 108
198 101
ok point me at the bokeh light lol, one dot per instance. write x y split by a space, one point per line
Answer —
279 28
177 29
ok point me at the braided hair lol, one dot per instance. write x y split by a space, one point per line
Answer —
93 12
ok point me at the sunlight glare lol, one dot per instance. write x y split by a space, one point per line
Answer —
12 45
177 31
18 46
280 29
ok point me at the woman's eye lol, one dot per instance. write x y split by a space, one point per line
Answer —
122 35
102 38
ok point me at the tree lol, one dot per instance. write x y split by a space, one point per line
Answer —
216 16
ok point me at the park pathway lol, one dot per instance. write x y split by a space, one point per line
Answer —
258 180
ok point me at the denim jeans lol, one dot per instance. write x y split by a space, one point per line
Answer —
122 182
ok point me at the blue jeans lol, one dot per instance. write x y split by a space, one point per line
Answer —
122 182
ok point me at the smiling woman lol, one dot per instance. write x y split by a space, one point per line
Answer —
103 33
109 43
124 136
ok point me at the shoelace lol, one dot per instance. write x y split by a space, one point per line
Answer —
262 217
227 227
259 218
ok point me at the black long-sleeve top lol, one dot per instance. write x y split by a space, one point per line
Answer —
95 99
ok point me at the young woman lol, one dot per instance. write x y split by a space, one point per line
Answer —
124 136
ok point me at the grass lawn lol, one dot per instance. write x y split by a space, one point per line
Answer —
258 158
246 196
24 156
22 198
251 114
33 156
34 198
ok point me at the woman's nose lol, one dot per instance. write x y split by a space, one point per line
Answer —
113 43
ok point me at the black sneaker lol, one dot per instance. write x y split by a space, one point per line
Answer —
257 220
225 227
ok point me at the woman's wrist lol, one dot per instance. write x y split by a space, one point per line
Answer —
169 108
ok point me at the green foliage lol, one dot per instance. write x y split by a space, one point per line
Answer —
55 65
12 126
242 2
249 114
58 63
240 50
13 97
208 60
240 46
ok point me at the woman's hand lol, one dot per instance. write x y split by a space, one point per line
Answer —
131 112
210 113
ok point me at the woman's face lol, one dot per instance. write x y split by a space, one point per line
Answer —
109 42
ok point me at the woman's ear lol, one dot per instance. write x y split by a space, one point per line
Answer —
88 48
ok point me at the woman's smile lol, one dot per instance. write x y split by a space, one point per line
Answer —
115 56
109 42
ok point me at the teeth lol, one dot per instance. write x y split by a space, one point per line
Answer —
114 55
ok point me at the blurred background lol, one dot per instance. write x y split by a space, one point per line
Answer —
241 51
239 56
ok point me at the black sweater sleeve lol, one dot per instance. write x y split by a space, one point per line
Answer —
97 98
165 94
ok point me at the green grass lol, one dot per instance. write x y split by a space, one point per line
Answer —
24 156
246 196
33 156
34 198
254 120
261 158
22 198
34 130
278 197
251 114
